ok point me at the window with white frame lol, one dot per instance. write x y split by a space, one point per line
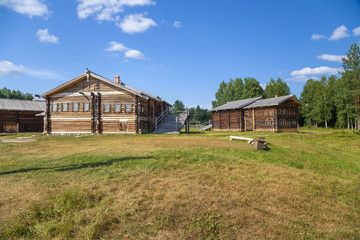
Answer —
65 107
106 108
117 108
86 107
128 108
75 107
54 107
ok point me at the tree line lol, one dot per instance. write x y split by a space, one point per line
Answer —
7 93
330 102
238 89
196 113
334 101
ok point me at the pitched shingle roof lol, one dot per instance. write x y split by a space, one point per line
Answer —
97 76
236 104
272 101
21 105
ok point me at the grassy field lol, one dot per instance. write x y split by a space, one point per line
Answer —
187 186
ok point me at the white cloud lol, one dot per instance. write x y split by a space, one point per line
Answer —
339 33
316 37
136 23
315 71
44 36
107 10
28 7
356 31
299 79
9 68
115 46
177 24
331 58
129 53
134 54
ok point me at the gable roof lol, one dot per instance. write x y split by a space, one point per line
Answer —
274 101
123 86
21 105
236 104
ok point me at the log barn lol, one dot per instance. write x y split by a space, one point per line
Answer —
92 104
21 115
278 114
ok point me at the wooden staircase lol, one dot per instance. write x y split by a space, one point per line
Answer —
172 124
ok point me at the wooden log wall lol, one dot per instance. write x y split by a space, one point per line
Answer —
228 120
101 116
110 110
248 121
21 121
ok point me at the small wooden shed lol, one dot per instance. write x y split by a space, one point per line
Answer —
272 114
21 115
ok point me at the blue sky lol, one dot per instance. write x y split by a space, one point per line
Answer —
176 49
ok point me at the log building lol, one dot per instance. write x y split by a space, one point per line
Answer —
92 104
278 114
21 116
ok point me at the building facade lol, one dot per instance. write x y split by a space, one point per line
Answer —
92 104
21 116
278 114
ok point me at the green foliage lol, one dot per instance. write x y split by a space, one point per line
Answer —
332 101
178 107
199 114
237 90
7 93
252 88
278 87
351 74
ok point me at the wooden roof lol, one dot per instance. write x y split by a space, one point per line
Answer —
274 101
122 86
236 104
257 102
22 105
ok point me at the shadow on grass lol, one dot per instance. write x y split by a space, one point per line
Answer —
75 166
192 133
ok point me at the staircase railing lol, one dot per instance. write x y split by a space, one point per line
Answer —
161 118
182 118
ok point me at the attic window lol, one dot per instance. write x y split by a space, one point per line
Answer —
91 87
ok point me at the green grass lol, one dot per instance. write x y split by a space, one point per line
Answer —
187 186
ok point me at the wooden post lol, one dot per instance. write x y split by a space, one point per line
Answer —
276 125
98 115
93 113
137 112
297 119
244 121
148 115
17 122
220 120
229 120
154 119
47 116
253 117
